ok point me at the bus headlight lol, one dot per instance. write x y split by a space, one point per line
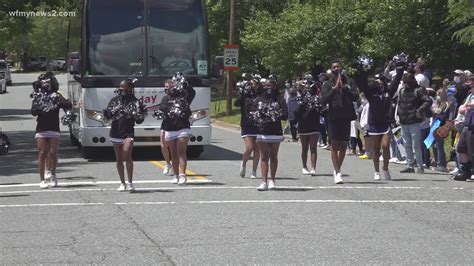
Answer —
199 114
95 115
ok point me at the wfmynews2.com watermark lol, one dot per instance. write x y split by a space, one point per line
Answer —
32 14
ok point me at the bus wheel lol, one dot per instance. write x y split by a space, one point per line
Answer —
195 151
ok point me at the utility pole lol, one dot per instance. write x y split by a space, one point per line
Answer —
230 75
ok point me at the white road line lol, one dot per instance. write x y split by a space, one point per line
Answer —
328 201
51 205
146 203
237 202
58 190
95 183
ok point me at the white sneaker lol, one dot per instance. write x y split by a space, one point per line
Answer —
401 162
175 180
168 170
455 171
122 188
47 175
393 160
182 180
313 172
53 181
386 175
254 175
305 171
242 171
377 176
130 187
271 184
43 184
338 179
263 187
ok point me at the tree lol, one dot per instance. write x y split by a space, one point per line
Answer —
461 17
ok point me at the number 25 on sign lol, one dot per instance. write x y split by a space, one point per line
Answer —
231 57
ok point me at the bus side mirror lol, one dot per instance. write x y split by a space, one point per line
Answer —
218 67
74 64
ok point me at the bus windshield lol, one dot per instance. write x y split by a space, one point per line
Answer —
177 37
116 36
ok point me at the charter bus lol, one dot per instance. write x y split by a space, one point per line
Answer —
149 40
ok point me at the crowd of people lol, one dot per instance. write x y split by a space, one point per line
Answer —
402 115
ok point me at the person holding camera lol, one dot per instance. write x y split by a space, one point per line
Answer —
124 110
176 112
266 113
47 102
339 92
248 93
307 114
380 118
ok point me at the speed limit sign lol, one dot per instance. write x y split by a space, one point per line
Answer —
231 57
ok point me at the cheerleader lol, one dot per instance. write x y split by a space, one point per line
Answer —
124 110
267 112
308 117
176 112
46 104
249 132
165 151
380 118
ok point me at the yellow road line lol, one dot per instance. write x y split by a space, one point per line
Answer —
191 174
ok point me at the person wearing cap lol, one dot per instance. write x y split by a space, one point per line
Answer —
123 115
339 92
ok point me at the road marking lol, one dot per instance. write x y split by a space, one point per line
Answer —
95 183
63 187
236 202
191 174
51 205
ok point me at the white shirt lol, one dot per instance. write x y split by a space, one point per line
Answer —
422 80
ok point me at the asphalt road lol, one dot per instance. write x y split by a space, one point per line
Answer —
220 218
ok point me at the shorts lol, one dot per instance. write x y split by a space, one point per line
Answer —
174 135
378 130
270 138
248 132
466 142
47 135
249 135
119 141
309 133
339 130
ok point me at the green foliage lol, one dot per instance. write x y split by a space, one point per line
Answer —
461 16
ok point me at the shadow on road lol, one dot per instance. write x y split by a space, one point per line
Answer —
15 114
215 153
23 155
14 196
